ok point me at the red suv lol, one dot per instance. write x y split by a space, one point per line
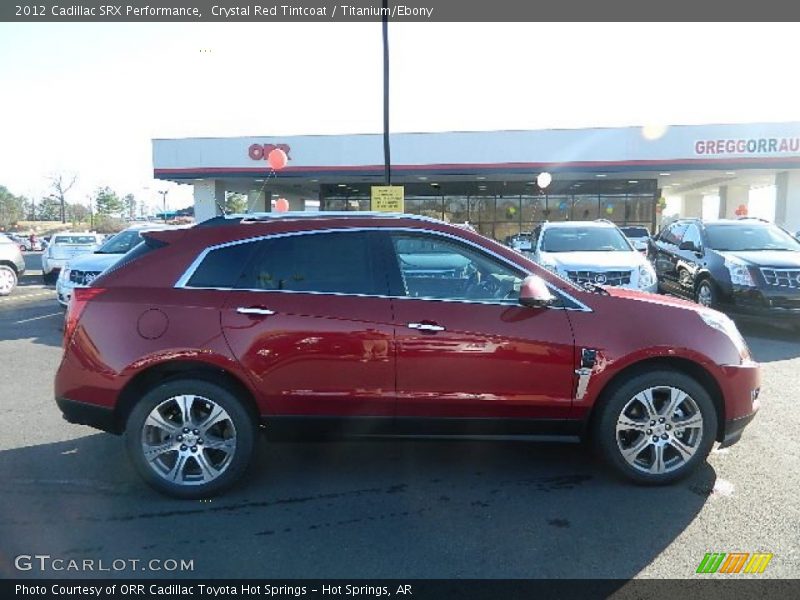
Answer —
383 324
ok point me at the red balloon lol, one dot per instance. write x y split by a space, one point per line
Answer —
277 159
281 204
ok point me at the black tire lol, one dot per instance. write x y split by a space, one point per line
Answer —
706 286
239 421
621 397
8 274
49 278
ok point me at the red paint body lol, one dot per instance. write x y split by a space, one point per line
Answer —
347 355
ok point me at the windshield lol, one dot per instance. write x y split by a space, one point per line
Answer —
584 239
635 232
121 243
75 239
749 237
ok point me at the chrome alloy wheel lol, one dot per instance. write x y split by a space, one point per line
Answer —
704 295
659 430
8 281
188 440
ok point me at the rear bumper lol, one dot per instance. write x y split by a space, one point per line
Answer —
82 413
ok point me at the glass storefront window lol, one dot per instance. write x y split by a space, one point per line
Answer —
641 209
521 206
456 209
612 207
559 207
585 207
532 211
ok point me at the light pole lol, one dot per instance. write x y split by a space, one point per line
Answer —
387 159
164 202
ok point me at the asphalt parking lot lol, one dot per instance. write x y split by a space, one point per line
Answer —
403 509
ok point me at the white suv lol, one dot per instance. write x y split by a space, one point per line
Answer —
82 270
592 252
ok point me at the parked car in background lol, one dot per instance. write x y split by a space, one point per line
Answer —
745 267
386 325
520 242
62 248
83 269
592 253
638 235
12 265
17 239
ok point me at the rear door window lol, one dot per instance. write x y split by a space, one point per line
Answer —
331 262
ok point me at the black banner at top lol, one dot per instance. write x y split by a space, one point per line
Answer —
396 10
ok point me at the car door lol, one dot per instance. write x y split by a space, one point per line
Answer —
689 262
465 347
666 256
310 322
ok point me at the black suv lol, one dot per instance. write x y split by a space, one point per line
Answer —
746 267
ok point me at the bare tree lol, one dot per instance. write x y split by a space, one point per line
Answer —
60 185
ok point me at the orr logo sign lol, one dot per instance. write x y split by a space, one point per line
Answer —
261 151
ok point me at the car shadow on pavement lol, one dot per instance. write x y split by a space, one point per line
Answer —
350 509
768 343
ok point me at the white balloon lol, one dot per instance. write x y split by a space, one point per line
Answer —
544 179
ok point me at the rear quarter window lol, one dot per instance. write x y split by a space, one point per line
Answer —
222 267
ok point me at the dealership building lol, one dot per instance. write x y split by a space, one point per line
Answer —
489 178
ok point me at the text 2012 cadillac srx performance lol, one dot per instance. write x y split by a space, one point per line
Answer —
385 324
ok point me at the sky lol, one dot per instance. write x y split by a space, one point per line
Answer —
87 99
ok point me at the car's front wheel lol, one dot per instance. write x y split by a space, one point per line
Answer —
656 427
706 295
8 280
190 438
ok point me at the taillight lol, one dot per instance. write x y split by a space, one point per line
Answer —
77 303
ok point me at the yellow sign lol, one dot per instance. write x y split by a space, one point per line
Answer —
387 198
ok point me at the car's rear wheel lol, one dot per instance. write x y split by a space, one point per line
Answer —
49 278
190 438
8 280
656 427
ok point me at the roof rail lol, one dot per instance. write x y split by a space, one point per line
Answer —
753 219
303 215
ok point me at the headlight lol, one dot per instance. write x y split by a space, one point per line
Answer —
740 274
724 324
647 276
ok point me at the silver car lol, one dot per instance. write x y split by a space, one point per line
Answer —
63 247
82 270
592 253
12 265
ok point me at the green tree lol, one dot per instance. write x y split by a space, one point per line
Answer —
12 208
235 203
129 202
107 202
48 209
77 213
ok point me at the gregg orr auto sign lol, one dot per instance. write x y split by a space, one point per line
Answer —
770 145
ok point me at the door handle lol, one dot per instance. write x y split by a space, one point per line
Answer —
426 326
254 310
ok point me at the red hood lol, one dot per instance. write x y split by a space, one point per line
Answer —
618 292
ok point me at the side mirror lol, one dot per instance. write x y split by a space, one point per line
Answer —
689 246
533 292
